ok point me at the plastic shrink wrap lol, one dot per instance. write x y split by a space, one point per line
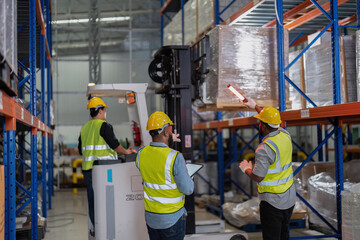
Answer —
172 31
318 73
358 64
8 33
242 213
349 51
246 58
295 75
322 196
351 213
205 18
190 22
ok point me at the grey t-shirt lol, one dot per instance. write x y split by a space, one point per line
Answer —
264 157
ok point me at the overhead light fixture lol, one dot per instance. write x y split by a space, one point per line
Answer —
91 84
86 20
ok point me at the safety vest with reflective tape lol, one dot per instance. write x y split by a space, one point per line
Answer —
94 146
161 194
279 177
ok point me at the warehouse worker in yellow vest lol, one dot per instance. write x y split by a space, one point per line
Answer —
97 141
273 173
165 180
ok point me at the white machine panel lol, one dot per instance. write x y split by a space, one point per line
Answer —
119 204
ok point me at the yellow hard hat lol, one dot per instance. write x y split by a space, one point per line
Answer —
96 102
157 120
269 115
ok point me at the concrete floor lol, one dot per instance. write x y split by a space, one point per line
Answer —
68 218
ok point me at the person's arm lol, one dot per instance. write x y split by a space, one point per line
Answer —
181 176
107 132
252 176
79 145
264 156
252 104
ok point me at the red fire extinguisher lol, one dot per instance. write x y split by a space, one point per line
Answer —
136 134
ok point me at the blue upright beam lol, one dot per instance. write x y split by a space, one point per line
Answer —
43 113
10 185
280 52
220 149
216 12
337 100
319 138
32 47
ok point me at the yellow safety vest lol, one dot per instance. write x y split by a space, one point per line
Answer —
161 194
94 146
279 177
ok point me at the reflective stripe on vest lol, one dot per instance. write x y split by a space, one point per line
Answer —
93 158
279 176
161 194
164 200
93 145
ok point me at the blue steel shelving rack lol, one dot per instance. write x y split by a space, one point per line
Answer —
293 117
14 113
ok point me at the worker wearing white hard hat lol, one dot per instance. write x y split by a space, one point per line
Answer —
273 173
97 141
165 179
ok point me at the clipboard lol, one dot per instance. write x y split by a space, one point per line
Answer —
193 168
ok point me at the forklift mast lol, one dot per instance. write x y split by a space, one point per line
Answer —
179 70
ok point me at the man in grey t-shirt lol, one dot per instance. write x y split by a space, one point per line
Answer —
273 173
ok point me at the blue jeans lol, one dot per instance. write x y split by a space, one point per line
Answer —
175 232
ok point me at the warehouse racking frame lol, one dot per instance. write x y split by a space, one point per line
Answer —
334 115
174 6
16 117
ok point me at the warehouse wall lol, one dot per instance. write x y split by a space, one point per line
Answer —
70 85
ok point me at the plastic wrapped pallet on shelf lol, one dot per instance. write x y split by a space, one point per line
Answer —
8 32
295 75
205 18
350 67
246 58
322 193
8 46
172 31
190 19
318 73
351 213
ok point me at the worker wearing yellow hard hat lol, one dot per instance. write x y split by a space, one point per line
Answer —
273 173
165 179
97 142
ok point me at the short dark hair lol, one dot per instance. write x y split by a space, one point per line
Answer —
271 129
95 111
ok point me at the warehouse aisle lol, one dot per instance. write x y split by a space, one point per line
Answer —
68 218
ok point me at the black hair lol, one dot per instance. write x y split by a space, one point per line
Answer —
153 133
271 129
95 111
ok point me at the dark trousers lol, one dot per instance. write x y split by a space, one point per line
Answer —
90 194
175 232
274 222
